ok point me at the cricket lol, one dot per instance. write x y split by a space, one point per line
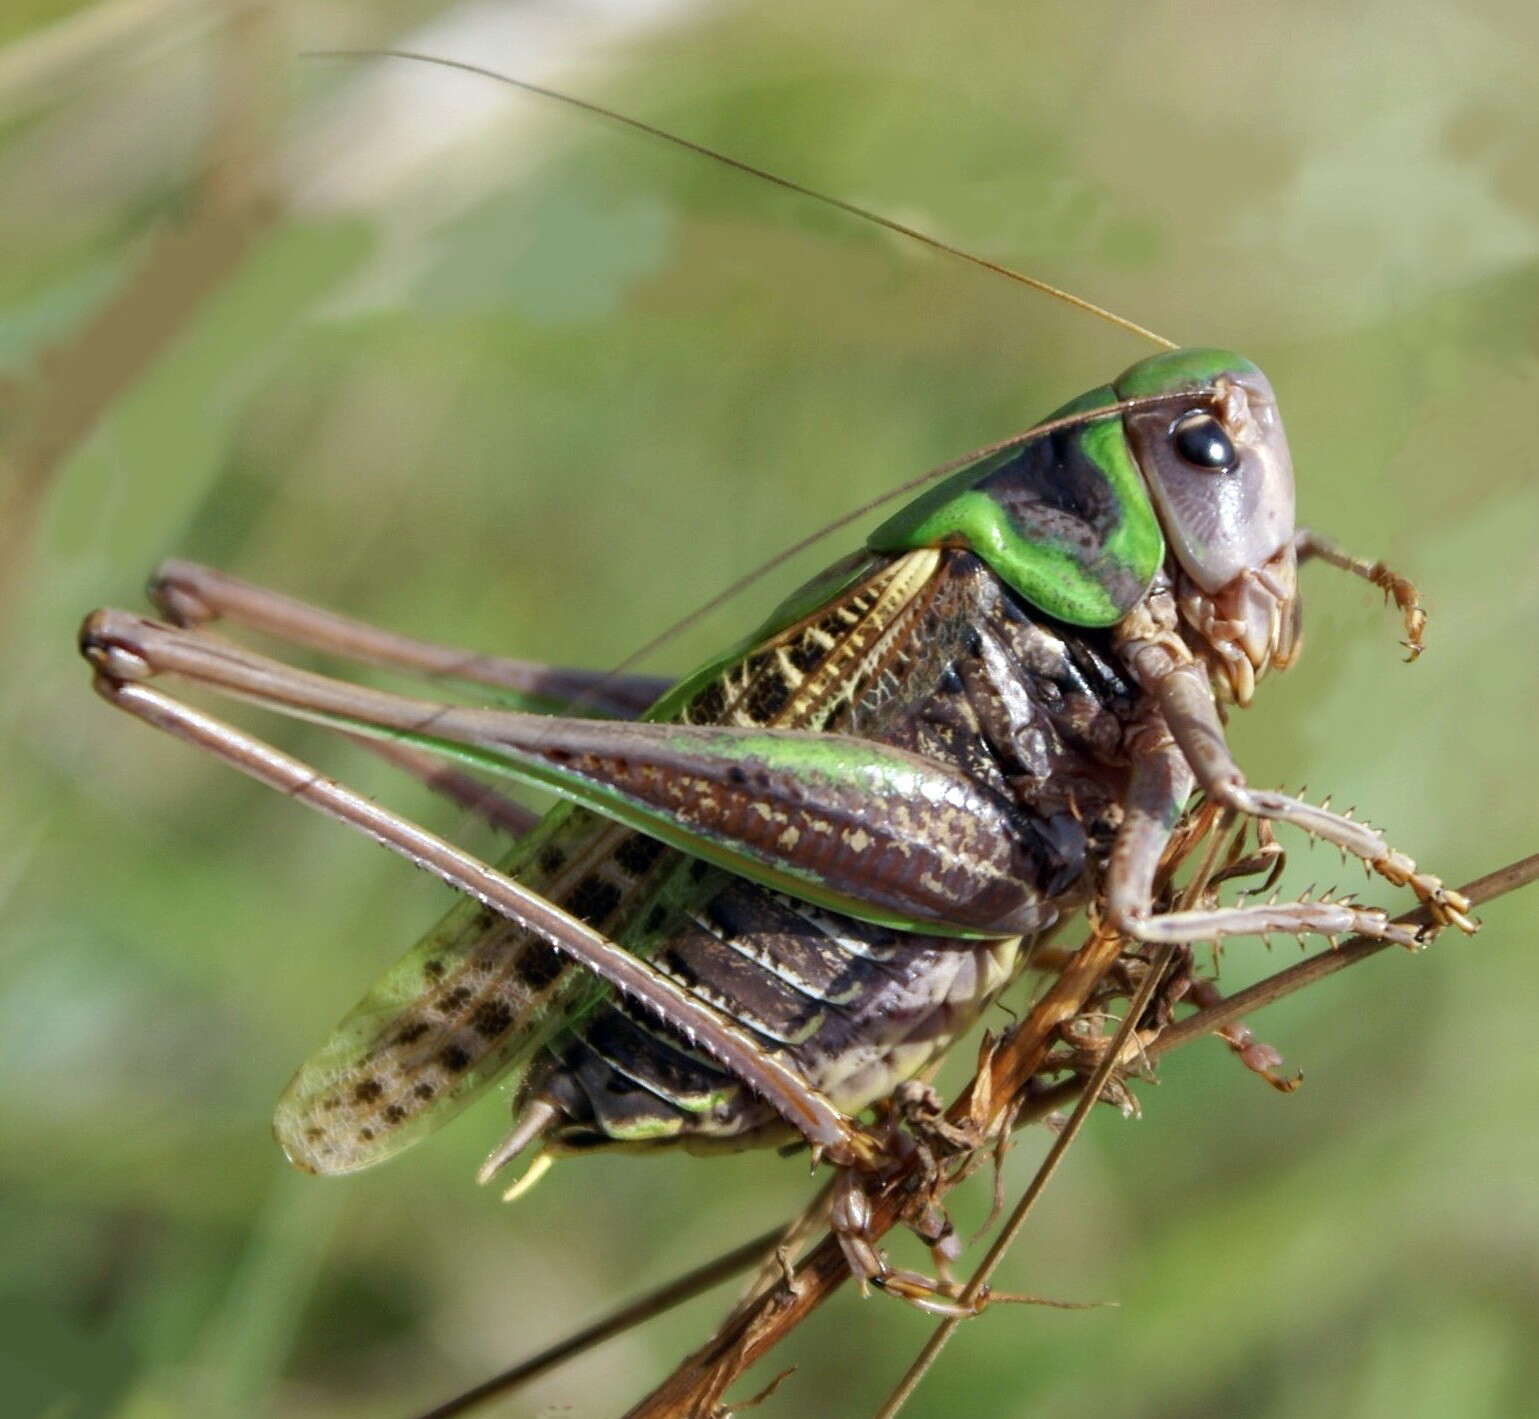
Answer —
775 892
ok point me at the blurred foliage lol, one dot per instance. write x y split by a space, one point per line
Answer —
492 372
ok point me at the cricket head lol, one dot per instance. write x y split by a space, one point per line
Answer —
1178 469
1215 461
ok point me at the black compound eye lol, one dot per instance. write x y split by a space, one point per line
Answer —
1201 441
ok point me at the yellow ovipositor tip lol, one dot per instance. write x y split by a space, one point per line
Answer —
537 1170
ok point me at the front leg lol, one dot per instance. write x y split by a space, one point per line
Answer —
1187 705
1403 593
1179 686
1161 784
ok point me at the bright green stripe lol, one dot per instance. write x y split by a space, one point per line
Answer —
1165 374
1137 543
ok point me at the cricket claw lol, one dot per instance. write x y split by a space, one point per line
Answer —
929 1296
112 653
172 590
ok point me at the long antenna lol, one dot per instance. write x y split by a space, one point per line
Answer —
689 145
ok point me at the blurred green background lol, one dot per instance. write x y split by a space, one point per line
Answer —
409 344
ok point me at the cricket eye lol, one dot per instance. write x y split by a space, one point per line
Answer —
1200 440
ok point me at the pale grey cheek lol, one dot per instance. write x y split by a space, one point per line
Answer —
1208 514
1234 522
1226 510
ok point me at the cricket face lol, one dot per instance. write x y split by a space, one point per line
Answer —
1221 479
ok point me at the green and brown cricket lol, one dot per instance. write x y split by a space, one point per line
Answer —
781 887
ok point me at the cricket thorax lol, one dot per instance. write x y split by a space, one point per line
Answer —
935 656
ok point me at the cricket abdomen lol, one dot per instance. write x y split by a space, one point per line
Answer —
855 1008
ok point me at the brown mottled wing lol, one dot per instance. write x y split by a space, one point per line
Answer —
462 1006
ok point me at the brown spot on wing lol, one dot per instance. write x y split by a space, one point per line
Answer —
638 853
491 1019
539 964
593 899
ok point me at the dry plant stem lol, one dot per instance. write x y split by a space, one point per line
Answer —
1296 977
76 382
1216 833
1325 963
694 1389
665 1297
1040 1179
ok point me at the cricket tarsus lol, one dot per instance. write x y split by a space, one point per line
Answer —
1395 587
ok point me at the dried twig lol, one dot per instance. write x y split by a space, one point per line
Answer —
695 1389
1285 982
1204 822
655 1302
